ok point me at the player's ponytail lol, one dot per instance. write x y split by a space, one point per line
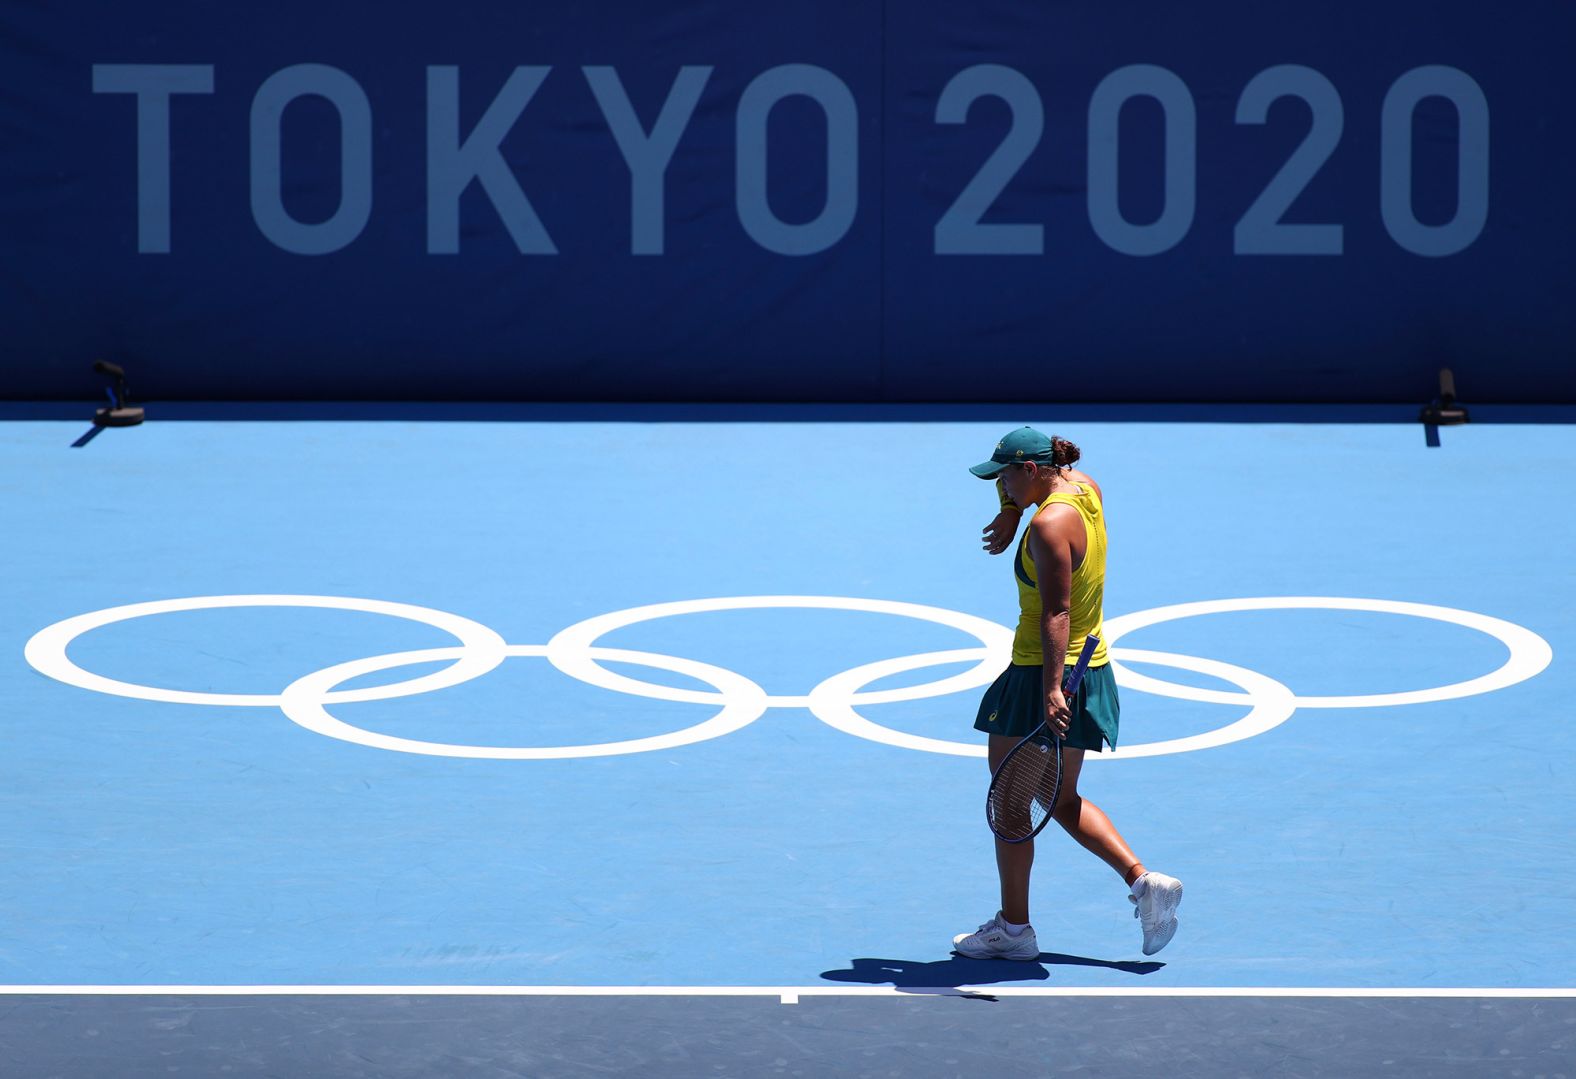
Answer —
1063 452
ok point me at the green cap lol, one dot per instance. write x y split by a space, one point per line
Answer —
1015 447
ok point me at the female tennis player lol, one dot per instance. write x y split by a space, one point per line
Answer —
1060 568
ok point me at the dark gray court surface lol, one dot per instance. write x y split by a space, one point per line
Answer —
74 1037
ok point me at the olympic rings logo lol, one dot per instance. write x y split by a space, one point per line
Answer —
740 701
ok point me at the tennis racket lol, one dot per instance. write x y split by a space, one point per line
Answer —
1023 791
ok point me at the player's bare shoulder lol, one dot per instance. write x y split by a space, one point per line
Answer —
1056 523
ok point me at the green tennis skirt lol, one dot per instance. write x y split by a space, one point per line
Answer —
1015 704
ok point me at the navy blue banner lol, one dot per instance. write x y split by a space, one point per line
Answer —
806 201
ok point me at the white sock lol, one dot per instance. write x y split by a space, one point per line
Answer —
1139 886
1013 929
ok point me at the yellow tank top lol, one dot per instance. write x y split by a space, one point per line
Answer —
1085 612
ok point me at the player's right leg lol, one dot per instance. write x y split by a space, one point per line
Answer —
1008 935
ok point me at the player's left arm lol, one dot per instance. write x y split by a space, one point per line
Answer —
1051 547
999 534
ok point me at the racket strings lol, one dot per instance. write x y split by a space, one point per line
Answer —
1023 794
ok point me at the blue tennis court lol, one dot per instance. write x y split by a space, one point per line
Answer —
675 705
495 587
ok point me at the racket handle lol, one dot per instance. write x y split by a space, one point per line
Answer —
1091 642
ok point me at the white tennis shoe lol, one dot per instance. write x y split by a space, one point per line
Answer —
992 941
1155 899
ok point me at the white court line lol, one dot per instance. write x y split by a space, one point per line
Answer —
787 994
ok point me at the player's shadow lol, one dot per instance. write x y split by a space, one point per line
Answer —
913 976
